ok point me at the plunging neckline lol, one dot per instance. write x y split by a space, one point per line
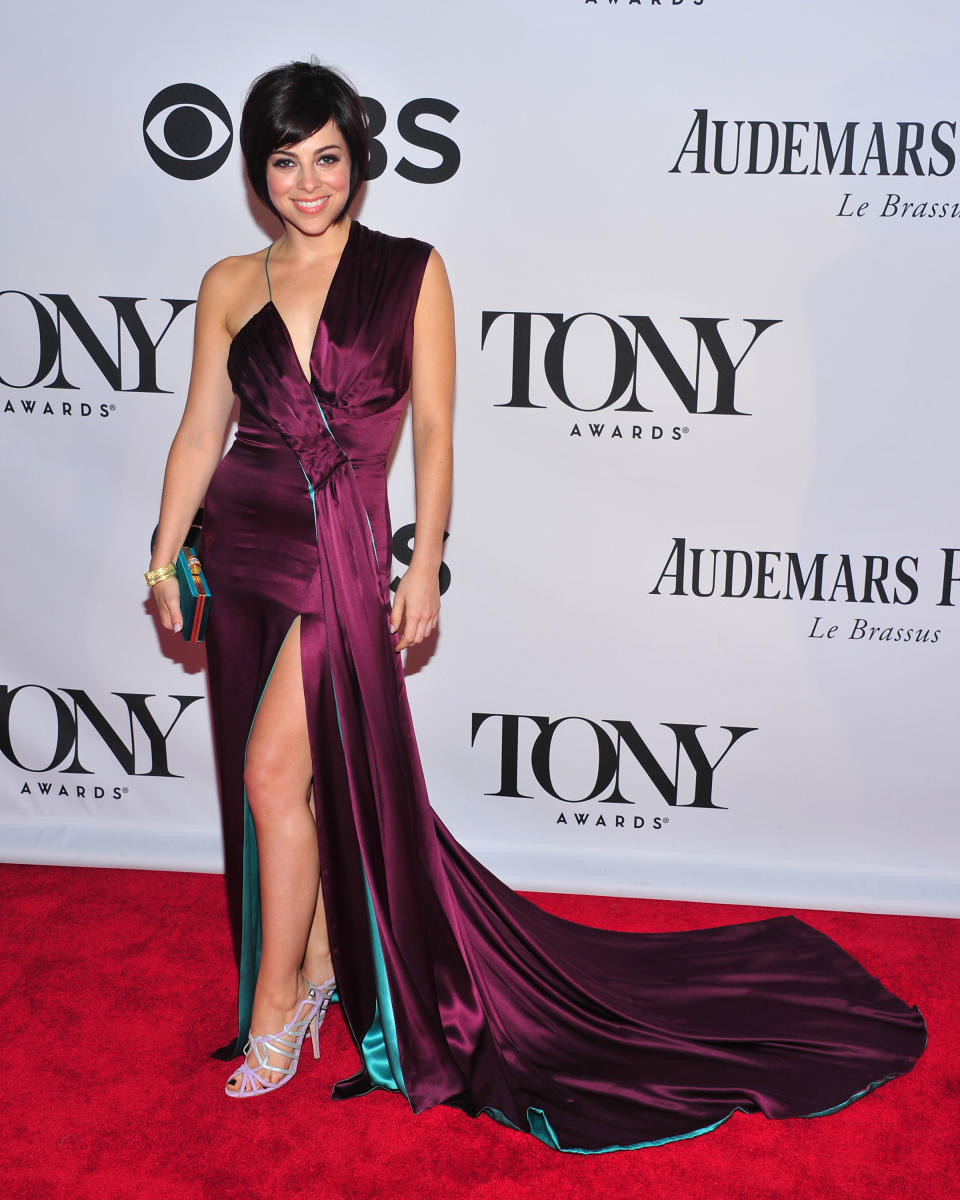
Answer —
308 377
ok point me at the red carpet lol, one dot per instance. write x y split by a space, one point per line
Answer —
117 985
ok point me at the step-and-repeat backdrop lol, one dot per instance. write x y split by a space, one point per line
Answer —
700 617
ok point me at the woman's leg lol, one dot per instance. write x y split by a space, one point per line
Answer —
317 963
277 777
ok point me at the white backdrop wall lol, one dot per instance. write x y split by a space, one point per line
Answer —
717 368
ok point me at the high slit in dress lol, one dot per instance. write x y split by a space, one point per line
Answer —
455 989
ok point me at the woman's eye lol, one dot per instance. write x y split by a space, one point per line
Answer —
327 160
281 162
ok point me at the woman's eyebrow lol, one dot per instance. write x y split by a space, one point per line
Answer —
320 150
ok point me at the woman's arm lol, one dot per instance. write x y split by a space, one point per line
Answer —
198 442
416 606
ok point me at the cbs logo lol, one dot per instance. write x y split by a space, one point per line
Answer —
188 133
181 124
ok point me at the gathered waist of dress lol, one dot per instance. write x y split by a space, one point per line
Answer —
254 434
251 431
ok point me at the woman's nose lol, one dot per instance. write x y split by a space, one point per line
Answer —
309 177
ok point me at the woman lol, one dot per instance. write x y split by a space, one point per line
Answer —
454 989
309 186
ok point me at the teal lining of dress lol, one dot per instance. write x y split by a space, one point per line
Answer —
250 935
538 1123
380 1049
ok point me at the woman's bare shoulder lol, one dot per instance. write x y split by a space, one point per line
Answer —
235 287
235 270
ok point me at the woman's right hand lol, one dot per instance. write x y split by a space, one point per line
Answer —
167 595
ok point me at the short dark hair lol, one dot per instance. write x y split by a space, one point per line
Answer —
287 105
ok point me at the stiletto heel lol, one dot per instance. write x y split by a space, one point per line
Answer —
324 992
314 1031
285 1044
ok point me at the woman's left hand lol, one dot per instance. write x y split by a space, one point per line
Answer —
416 606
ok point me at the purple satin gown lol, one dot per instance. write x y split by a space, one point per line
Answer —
455 989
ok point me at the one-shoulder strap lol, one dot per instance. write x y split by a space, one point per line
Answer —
267 272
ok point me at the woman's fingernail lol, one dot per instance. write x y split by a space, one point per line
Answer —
177 628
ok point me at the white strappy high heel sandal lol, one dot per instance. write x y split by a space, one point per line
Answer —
249 1080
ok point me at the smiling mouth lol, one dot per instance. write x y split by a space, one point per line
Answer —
311 206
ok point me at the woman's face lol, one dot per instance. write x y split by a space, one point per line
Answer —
309 183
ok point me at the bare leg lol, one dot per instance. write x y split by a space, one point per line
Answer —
277 777
317 963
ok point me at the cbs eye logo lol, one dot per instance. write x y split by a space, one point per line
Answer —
185 120
180 126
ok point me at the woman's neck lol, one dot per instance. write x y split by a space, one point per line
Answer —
296 246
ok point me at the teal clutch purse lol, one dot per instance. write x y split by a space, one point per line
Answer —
194 595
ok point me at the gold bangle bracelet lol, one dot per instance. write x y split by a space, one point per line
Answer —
160 573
